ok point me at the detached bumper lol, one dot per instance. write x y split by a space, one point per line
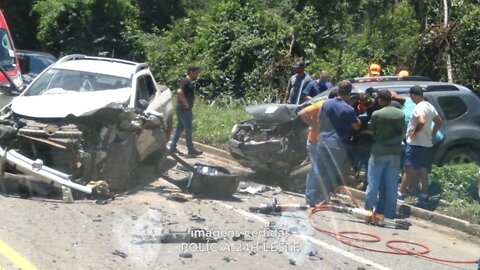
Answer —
36 168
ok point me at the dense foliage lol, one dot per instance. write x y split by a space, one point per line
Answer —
456 186
246 47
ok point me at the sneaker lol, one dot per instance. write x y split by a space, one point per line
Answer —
175 151
194 153
401 197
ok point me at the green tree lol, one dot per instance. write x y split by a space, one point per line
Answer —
156 14
21 23
88 26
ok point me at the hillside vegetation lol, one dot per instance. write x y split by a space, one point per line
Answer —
246 47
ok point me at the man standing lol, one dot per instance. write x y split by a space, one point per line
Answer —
420 139
336 119
185 100
387 126
297 84
309 116
317 86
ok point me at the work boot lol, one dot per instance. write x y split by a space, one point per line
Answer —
194 153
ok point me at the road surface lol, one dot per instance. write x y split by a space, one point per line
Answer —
40 233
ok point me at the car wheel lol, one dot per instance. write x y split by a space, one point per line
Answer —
461 155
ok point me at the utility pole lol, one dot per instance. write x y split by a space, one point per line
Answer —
447 49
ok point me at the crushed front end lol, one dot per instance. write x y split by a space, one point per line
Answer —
73 151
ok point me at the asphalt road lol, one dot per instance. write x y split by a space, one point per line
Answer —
40 233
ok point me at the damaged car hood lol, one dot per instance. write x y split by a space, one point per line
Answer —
62 105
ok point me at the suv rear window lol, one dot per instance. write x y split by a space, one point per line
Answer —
453 107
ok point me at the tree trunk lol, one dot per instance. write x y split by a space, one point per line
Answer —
447 49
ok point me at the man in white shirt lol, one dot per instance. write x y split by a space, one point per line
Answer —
420 137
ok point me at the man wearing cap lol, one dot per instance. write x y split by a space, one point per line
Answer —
336 121
317 86
387 126
420 139
297 84
374 70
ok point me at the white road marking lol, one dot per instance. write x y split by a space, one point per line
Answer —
311 240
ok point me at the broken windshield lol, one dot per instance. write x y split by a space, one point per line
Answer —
61 81
7 56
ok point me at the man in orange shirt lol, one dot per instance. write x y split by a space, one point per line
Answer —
309 115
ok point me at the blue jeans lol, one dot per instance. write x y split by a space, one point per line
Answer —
184 123
383 178
312 177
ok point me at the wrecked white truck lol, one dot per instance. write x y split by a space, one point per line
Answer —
85 119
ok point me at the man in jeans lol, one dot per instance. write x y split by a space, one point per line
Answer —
336 121
309 116
387 126
185 100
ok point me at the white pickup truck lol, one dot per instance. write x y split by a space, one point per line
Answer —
84 119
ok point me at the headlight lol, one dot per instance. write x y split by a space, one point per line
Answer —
17 80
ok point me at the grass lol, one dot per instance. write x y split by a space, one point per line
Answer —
212 124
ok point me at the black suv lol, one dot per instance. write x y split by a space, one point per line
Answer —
457 105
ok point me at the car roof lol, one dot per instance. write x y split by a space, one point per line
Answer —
391 85
101 66
29 52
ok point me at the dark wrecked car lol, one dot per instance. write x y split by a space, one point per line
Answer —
85 119
273 141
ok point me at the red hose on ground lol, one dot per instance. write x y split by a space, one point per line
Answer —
346 237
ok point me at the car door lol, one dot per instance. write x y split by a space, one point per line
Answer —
159 103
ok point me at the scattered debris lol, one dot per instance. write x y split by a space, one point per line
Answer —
67 196
239 237
207 180
293 230
197 219
179 197
102 202
227 259
100 190
119 253
186 255
292 262
275 207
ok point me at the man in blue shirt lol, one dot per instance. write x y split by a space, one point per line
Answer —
336 121
297 84
317 86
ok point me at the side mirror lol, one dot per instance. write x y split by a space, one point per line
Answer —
142 104
24 64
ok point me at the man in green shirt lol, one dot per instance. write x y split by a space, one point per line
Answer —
387 126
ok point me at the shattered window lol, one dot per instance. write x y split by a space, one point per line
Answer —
59 81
